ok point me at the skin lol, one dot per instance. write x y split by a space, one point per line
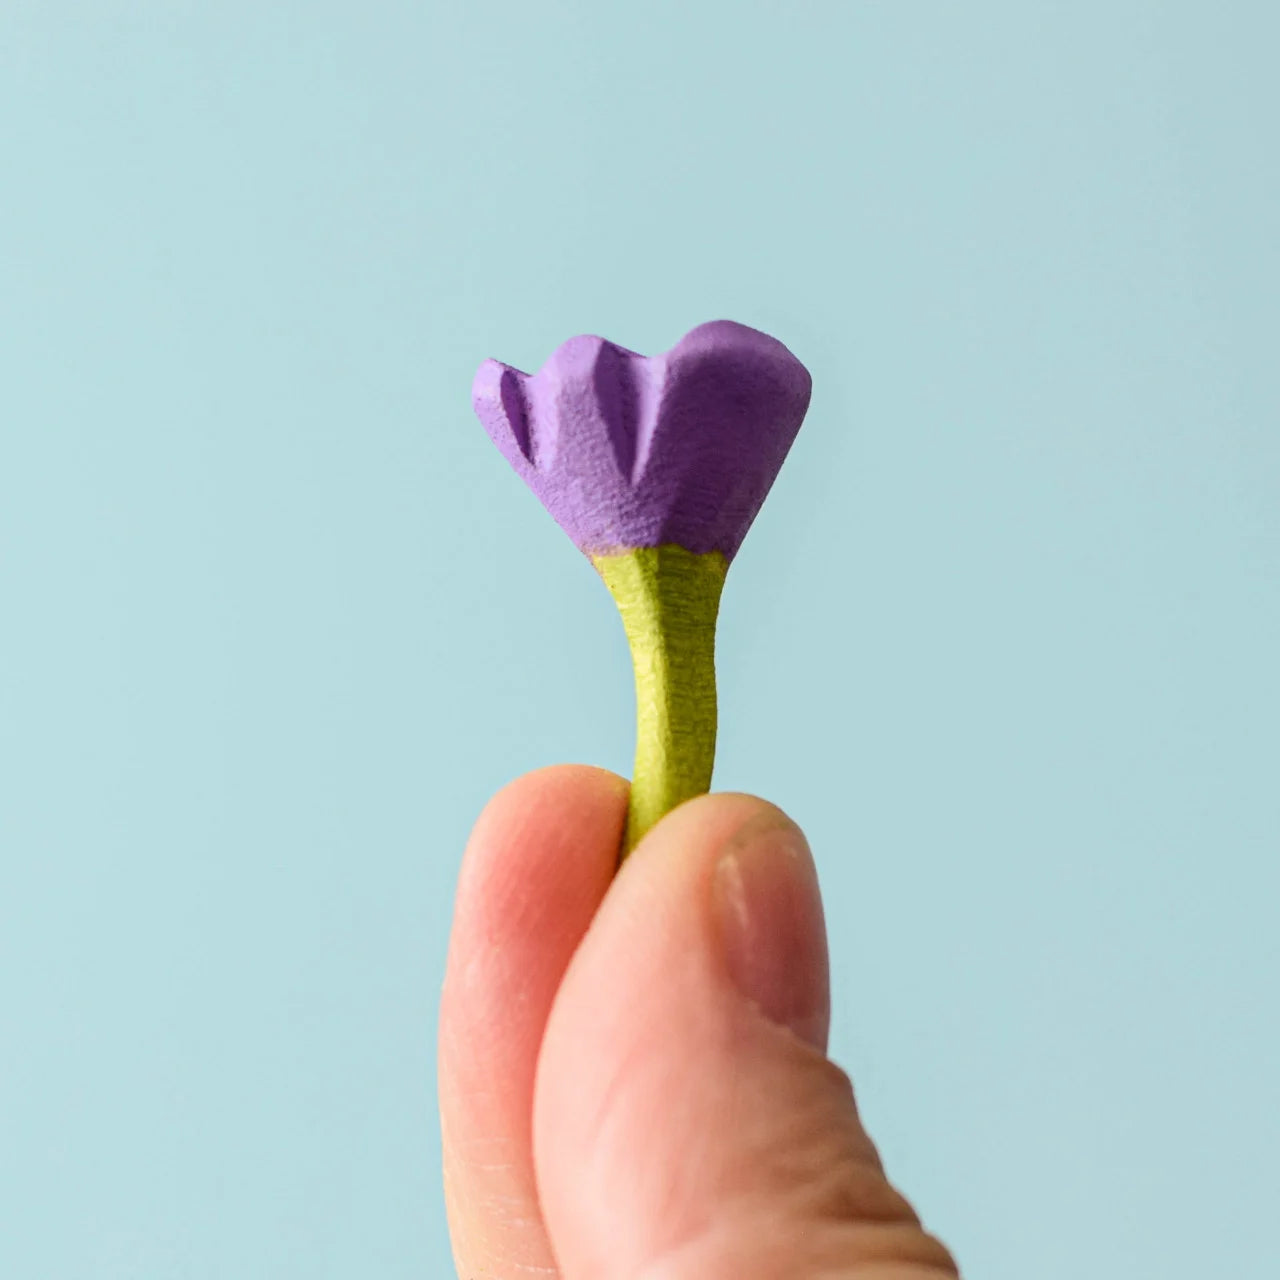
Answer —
633 1077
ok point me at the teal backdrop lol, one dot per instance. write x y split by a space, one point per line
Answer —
276 618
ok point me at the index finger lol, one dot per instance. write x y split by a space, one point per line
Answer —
537 866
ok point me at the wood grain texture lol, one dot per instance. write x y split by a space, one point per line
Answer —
669 599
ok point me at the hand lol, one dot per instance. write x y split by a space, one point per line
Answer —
633 1078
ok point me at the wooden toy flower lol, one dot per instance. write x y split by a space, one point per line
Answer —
656 466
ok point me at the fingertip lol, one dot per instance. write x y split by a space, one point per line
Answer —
539 861
563 787
536 822
698 829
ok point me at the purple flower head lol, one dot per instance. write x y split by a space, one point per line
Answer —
629 451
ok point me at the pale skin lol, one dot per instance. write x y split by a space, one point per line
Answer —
633 1073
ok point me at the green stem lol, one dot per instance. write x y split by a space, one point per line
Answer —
669 599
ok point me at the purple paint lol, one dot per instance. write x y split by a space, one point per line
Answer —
630 451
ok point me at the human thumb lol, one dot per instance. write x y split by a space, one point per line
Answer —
687 1122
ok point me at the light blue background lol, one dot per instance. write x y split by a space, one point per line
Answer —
277 618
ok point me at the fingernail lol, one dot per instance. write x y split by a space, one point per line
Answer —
771 924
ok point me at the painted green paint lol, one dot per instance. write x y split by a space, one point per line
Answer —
669 599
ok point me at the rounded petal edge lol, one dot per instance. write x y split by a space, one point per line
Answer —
499 400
